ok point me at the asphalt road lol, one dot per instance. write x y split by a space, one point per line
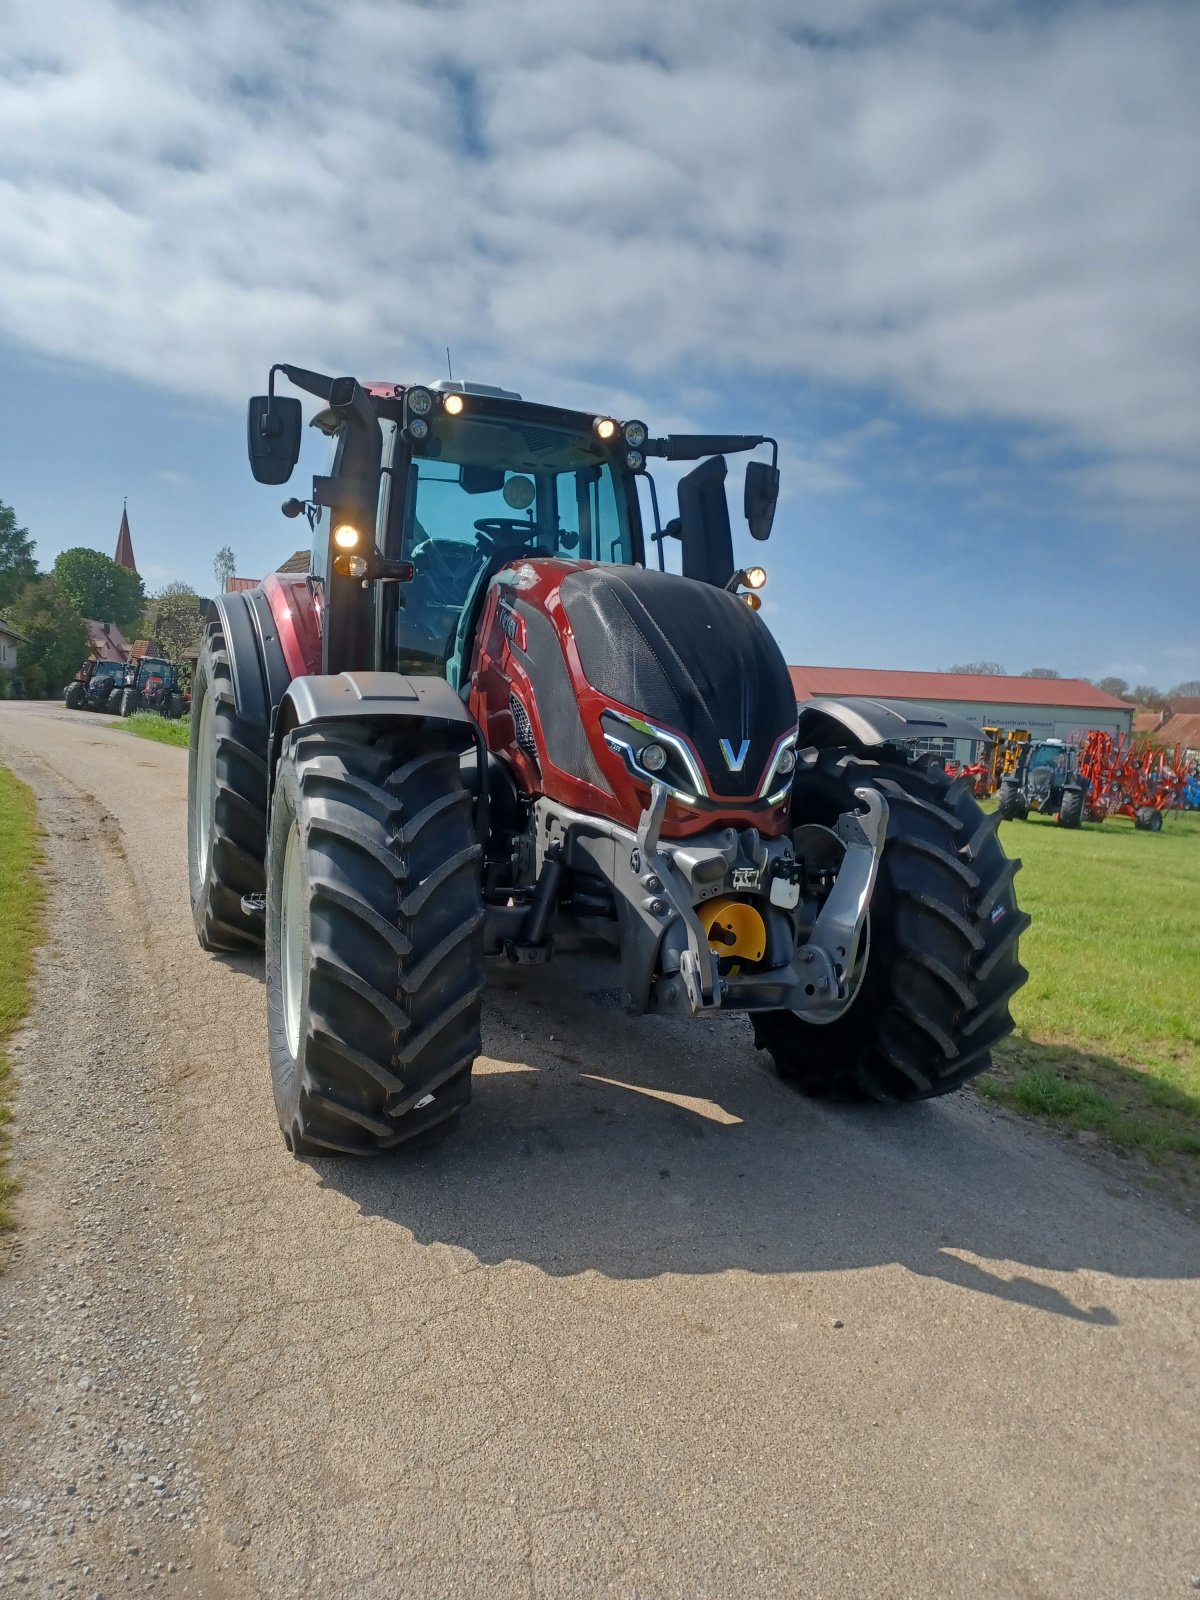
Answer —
649 1325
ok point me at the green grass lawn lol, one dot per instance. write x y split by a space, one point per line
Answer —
148 725
20 931
1108 1036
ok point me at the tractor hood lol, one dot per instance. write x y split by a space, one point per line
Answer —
690 657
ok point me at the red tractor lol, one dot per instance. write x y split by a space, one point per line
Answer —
481 725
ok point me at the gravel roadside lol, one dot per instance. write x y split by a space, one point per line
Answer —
100 1491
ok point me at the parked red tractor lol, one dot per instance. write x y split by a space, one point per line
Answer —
481 725
151 683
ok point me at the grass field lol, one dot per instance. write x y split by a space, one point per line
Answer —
1108 1038
149 726
20 931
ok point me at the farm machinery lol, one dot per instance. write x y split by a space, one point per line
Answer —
94 686
1046 779
151 683
1130 777
482 726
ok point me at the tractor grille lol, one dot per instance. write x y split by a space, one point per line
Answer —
523 727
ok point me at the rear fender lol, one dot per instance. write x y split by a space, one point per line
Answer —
827 721
384 697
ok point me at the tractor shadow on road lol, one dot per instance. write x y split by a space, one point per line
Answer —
633 1147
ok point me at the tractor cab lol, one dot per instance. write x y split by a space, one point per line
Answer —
434 489
486 493
1048 763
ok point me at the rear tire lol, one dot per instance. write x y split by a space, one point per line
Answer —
1070 812
227 805
1009 804
944 930
375 970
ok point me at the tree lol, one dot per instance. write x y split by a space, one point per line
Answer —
99 588
1145 694
17 566
224 567
175 620
1114 686
56 639
1042 672
980 669
1185 690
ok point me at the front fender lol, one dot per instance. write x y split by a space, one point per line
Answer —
827 721
379 696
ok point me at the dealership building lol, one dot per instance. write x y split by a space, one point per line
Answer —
1050 708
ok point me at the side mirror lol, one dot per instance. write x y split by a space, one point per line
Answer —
273 437
762 493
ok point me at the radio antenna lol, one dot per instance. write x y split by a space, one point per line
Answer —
449 368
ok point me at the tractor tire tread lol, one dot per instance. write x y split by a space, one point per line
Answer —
238 849
395 972
944 943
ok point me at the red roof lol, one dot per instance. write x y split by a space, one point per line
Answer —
1183 728
237 585
106 642
974 688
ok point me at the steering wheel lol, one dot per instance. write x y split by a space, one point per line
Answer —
497 530
507 529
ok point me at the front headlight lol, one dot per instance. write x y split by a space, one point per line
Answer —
635 434
418 401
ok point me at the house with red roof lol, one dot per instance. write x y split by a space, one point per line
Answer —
1050 708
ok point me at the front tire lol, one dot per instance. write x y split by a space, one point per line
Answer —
227 805
1009 804
944 929
1070 812
75 696
375 970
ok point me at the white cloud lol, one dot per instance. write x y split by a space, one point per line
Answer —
988 210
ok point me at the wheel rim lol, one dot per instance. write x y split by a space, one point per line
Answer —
206 783
291 938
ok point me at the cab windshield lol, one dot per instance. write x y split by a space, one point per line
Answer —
482 493
150 668
1052 757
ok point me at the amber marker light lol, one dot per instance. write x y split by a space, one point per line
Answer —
752 600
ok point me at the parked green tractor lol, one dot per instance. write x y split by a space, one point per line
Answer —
1046 780
94 686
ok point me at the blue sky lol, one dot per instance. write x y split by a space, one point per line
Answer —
945 252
